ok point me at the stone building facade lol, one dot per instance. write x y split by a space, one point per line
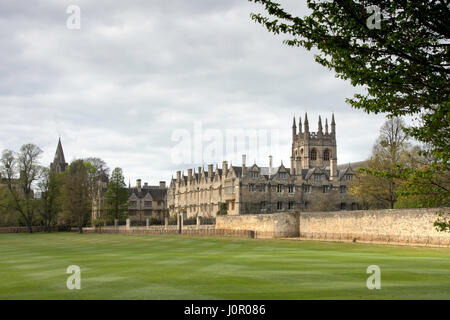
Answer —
314 182
146 201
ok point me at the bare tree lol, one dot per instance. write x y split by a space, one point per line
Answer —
19 172
50 186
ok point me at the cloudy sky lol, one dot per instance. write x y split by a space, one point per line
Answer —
141 78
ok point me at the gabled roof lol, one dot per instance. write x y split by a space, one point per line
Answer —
155 192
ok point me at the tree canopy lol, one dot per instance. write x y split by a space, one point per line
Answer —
116 198
398 51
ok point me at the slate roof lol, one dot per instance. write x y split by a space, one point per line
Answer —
156 192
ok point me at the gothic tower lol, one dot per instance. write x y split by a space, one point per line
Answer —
314 149
59 163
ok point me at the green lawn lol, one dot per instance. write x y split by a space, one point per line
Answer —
33 266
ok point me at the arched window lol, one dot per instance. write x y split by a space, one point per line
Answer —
326 155
313 154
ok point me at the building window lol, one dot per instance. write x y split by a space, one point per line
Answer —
326 155
307 189
342 205
279 188
232 205
262 188
254 175
282 175
147 203
279 205
313 154
251 187
291 205
133 203
132 212
348 177
326 189
354 206
263 205
317 176
291 189
306 204
343 189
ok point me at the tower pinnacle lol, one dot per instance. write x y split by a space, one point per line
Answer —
306 123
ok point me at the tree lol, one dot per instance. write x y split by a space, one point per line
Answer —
222 209
100 165
76 198
376 185
116 198
19 172
50 186
402 61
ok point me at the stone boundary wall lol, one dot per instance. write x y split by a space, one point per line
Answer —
276 225
395 226
205 230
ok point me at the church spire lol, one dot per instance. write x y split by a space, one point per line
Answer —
326 125
59 155
59 161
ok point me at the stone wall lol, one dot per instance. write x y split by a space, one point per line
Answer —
402 226
265 225
398 226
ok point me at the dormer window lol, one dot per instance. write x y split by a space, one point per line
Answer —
282 175
254 174
317 176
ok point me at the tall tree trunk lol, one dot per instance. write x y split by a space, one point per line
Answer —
30 227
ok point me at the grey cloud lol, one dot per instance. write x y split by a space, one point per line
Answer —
137 70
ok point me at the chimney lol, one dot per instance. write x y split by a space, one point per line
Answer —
145 185
178 176
270 166
210 170
189 174
199 171
138 184
224 167
162 184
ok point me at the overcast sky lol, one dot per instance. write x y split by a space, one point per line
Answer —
140 74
